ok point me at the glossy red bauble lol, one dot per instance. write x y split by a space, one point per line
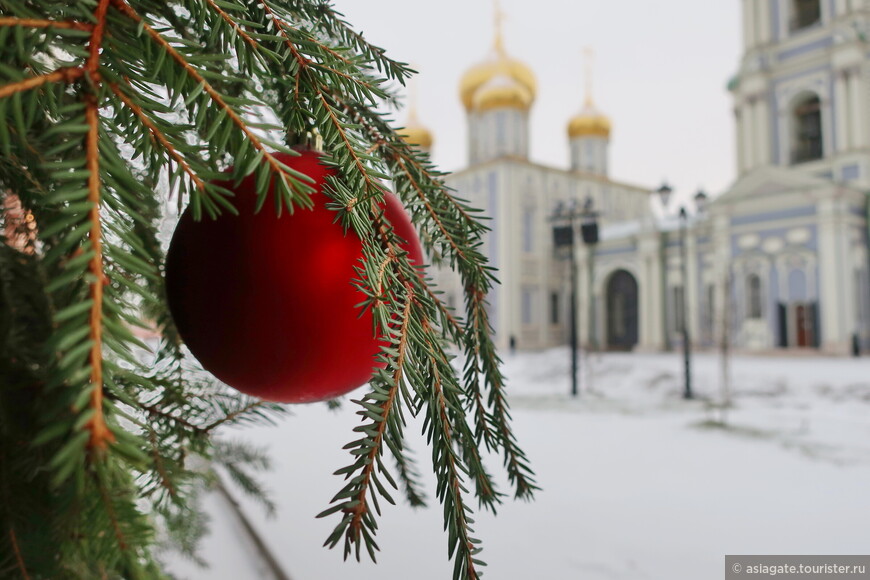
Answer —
266 303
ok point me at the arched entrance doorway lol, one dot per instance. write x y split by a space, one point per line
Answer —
622 312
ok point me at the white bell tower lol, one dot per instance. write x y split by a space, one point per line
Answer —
801 95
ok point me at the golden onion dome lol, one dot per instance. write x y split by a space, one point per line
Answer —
415 133
496 63
589 123
483 72
502 91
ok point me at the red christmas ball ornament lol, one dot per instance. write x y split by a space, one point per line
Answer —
266 303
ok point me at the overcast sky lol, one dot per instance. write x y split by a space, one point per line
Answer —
660 74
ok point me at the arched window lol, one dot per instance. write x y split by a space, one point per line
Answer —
805 13
806 129
753 291
529 229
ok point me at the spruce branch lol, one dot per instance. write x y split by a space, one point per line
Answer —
65 74
357 523
40 23
290 182
19 559
450 487
108 101
100 433
158 136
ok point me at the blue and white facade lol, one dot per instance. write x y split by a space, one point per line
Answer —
779 260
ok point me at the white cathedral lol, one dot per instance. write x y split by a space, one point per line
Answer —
779 260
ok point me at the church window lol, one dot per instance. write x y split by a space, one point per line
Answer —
528 312
807 129
709 310
529 230
805 13
501 129
753 290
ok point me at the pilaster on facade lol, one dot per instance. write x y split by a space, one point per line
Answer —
834 292
651 283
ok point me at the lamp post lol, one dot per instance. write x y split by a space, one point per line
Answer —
700 199
564 233
684 218
589 232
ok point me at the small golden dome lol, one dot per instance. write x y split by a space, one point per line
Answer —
417 135
502 91
414 132
589 123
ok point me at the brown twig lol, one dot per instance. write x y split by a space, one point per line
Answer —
116 525
161 413
158 463
18 557
233 415
226 18
100 433
454 473
282 26
158 136
215 96
361 507
40 23
66 74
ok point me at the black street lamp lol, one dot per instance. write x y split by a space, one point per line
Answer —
664 194
564 233
589 231
684 218
701 200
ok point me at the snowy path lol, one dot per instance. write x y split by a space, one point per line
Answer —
635 485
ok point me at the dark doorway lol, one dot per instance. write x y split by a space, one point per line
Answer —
622 312
799 324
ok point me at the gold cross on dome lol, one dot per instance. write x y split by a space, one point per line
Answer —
499 18
588 61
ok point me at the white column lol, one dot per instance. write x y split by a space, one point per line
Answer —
857 104
690 286
748 40
650 293
738 123
764 22
842 114
832 274
748 135
761 133
721 264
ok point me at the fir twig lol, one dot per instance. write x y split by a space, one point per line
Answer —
40 23
361 509
276 167
19 559
66 74
100 433
158 136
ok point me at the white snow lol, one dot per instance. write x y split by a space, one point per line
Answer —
635 484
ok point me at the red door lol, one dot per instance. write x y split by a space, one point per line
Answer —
803 325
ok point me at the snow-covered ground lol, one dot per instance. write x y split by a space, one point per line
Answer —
637 483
